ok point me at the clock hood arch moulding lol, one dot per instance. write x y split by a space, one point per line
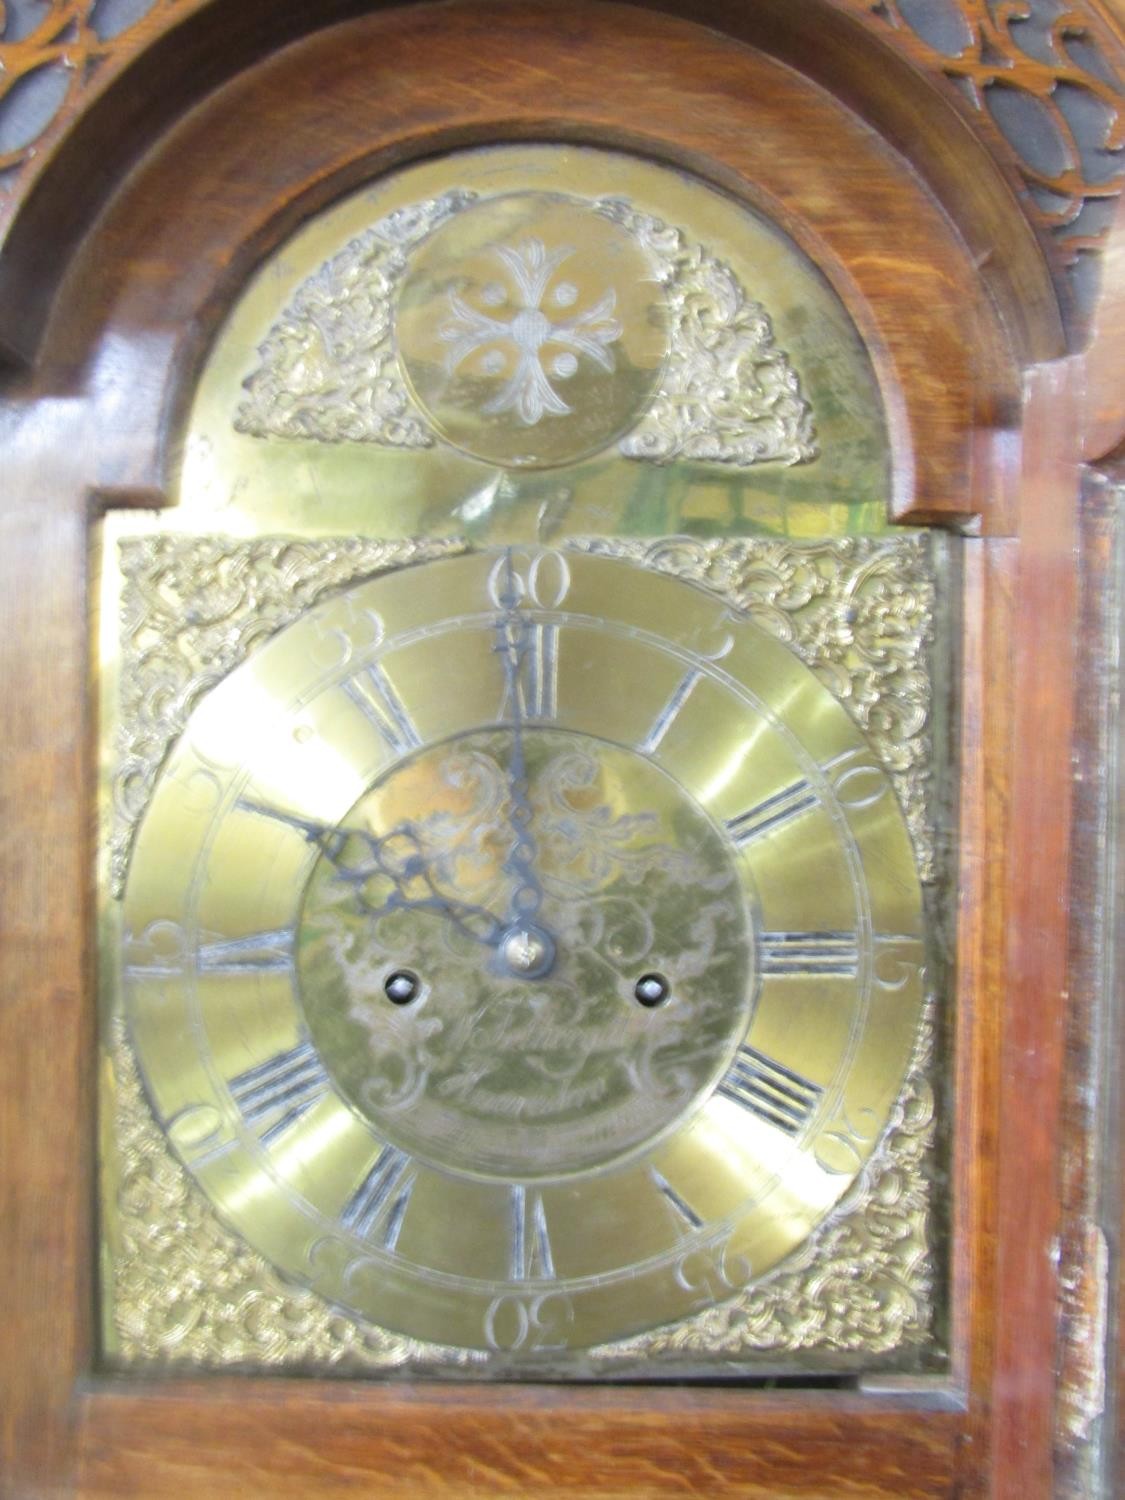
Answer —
977 332
1033 85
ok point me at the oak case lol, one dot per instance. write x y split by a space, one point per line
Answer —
989 426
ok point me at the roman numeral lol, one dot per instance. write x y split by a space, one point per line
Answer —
667 715
275 1094
371 691
258 953
680 1206
376 1209
530 1245
775 1094
810 953
772 813
536 678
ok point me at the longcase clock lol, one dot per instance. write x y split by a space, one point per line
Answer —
543 711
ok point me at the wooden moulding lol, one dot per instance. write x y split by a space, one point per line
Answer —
168 62
149 285
131 320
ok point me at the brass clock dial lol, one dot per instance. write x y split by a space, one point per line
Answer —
523 950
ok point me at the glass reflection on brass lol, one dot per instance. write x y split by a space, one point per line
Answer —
667 746
476 1068
433 428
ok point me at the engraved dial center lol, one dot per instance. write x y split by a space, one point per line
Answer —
527 1053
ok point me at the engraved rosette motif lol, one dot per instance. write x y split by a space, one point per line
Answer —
531 328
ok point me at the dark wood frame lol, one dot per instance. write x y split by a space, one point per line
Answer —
971 356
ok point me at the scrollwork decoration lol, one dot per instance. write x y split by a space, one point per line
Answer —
192 609
857 610
328 368
185 1289
728 394
864 1280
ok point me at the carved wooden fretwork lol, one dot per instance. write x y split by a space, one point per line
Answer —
1049 76
1042 72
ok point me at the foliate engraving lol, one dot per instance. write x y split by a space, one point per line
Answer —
859 611
188 1291
192 608
864 1281
493 1074
728 395
531 392
328 368
530 329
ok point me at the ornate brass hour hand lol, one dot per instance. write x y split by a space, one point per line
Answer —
364 860
526 947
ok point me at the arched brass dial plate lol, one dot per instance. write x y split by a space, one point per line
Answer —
532 342
523 1164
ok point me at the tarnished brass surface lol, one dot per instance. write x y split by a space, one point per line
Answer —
532 342
187 1291
191 609
495 1076
861 612
341 770
212 1003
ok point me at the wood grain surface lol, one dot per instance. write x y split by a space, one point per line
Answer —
94 421
519 1442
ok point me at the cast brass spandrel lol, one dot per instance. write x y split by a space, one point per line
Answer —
533 342
540 1237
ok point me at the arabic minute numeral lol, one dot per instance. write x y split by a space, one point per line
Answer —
274 1094
898 959
528 1321
540 578
856 780
776 1094
712 1273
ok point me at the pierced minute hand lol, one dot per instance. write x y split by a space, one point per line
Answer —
526 947
386 857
